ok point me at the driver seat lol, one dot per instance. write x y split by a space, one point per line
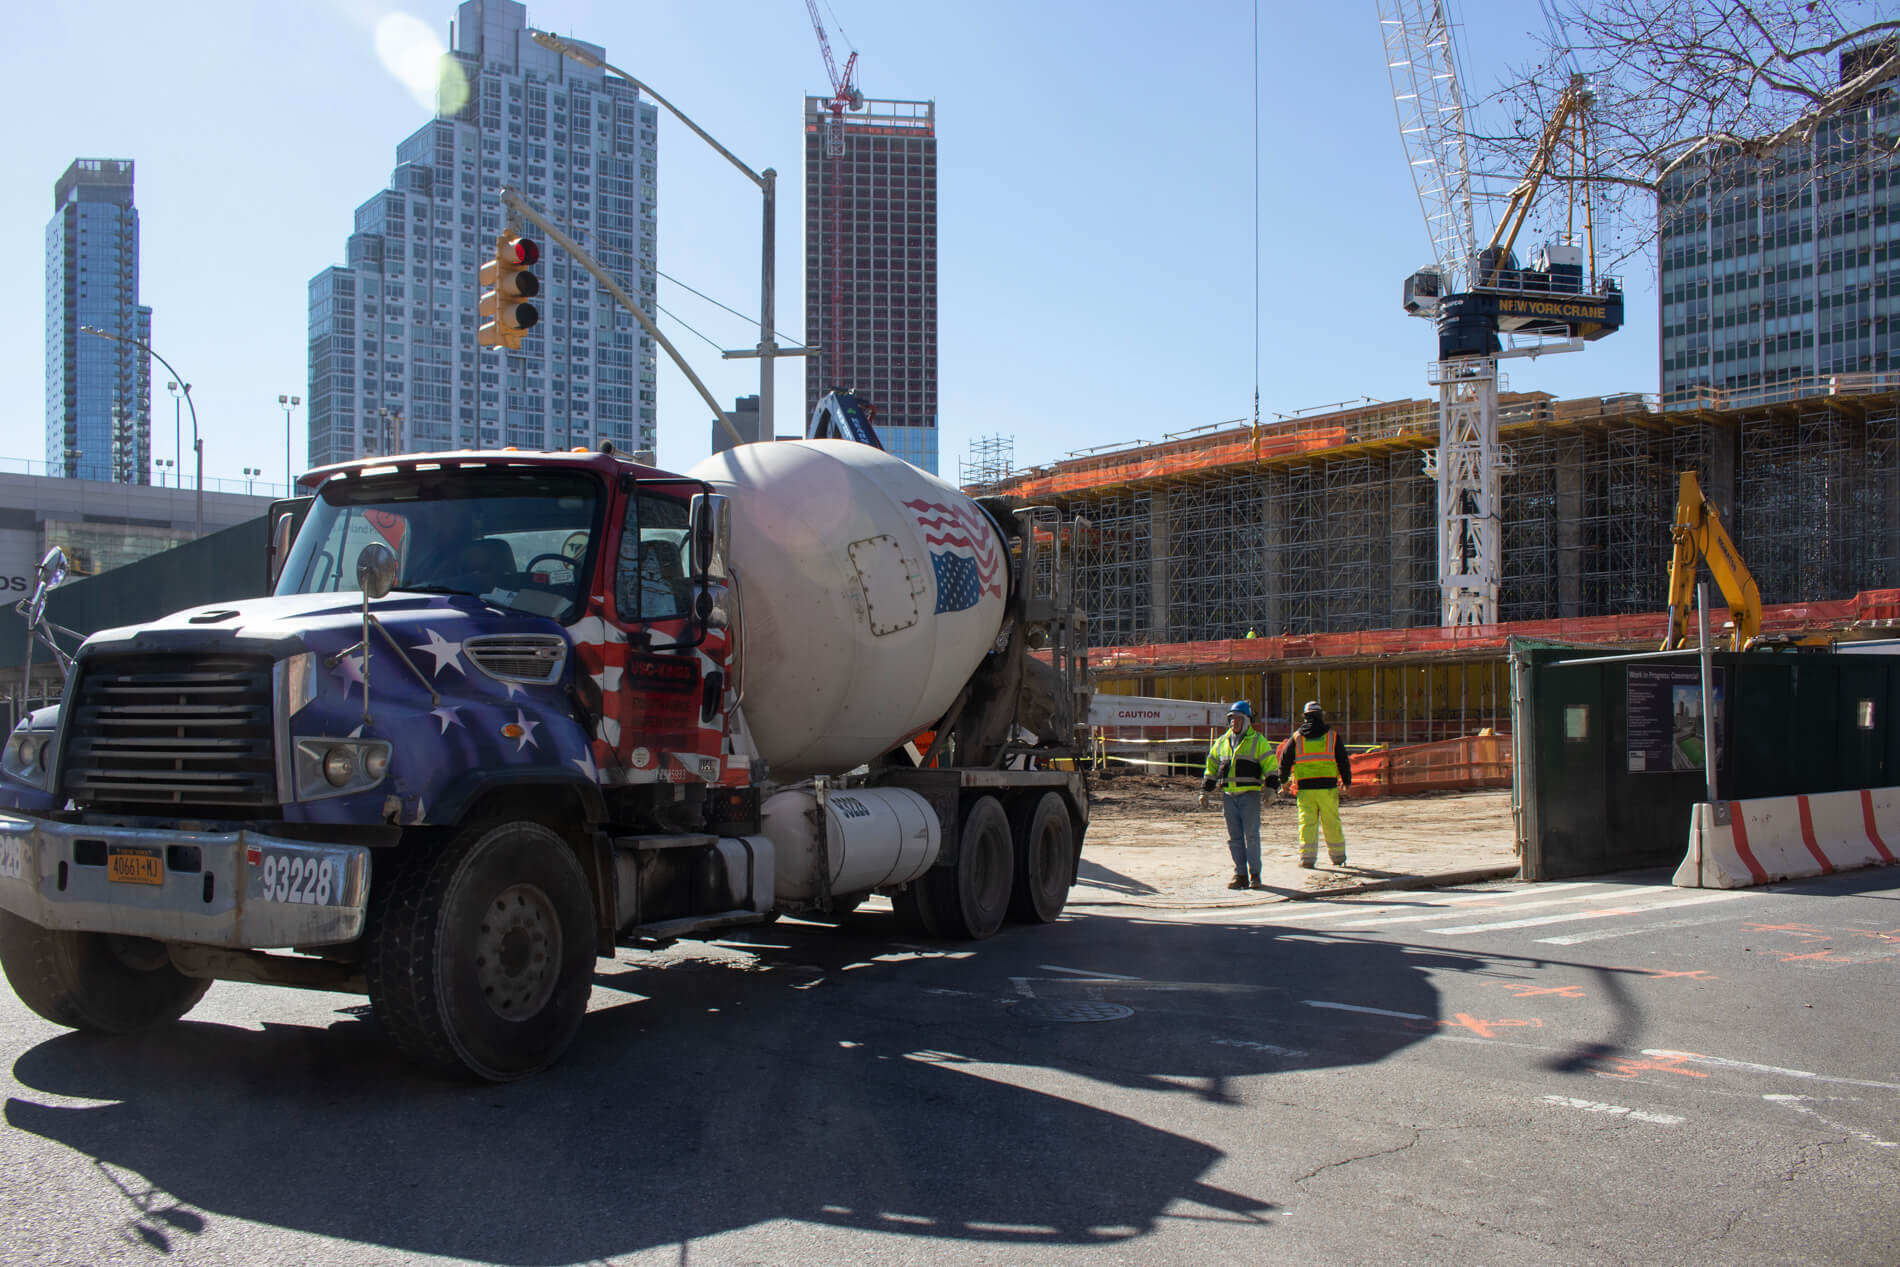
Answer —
490 558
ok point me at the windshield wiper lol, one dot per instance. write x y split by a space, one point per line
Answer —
437 589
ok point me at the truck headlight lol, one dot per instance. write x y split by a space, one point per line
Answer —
28 753
339 765
336 767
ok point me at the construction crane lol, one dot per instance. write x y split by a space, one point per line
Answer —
844 96
1476 295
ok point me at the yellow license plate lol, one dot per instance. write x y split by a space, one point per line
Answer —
135 865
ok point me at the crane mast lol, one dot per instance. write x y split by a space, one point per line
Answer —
844 96
1475 295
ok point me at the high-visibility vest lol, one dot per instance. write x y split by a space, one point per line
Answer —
1252 752
1316 758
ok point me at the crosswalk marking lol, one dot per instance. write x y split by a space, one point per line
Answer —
1608 913
1281 913
1605 934
1385 921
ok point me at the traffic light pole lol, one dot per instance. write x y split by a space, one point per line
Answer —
768 349
532 214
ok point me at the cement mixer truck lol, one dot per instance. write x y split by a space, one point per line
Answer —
508 712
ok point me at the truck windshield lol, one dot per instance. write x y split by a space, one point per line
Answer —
521 539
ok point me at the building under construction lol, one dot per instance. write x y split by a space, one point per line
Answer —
1312 531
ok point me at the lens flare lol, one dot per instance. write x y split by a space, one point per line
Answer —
410 51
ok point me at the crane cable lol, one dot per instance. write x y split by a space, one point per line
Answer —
1256 229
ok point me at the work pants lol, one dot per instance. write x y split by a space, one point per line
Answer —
1242 810
1319 808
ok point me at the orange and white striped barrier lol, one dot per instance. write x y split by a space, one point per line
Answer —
1735 844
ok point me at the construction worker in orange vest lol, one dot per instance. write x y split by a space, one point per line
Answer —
1317 760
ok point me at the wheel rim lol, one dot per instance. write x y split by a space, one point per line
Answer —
518 952
990 873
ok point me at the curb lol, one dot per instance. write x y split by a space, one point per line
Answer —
1444 879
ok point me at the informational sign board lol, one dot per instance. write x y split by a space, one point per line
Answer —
1142 710
1666 726
19 557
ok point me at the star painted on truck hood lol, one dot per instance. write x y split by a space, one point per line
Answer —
527 731
448 655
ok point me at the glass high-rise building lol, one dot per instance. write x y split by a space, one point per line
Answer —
98 390
871 265
394 366
1781 274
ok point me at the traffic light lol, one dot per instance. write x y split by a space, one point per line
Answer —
507 284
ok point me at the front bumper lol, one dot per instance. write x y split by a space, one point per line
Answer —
239 889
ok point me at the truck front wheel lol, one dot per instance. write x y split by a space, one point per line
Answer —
98 982
969 898
480 955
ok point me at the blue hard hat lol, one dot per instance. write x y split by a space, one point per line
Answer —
1242 707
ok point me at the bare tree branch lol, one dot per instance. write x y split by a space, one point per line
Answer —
1681 86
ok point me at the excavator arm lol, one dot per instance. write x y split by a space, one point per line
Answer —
1699 536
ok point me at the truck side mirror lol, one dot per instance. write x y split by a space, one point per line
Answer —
711 535
50 575
376 570
280 547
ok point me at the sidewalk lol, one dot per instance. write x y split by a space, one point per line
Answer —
1148 844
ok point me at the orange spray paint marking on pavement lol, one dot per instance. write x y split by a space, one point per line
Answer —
1696 974
1799 930
1629 1067
1483 1029
1524 990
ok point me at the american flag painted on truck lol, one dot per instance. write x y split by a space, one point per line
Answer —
963 553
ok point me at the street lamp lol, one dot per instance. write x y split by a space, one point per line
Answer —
250 474
197 441
389 433
162 464
173 389
767 181
289 403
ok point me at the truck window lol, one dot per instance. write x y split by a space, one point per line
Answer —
650 579
514 538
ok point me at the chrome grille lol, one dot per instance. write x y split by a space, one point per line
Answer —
531 658
172 731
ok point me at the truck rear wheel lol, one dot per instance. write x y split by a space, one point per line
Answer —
97 982
480 956
1045 859
970 898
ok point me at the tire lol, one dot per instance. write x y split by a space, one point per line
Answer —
1045 859
479 955
97 982
970 898
913 910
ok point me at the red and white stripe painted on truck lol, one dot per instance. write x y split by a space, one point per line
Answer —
1790 837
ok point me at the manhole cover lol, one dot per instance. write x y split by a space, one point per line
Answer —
1061 1010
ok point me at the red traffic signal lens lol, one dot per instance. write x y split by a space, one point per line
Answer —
523 251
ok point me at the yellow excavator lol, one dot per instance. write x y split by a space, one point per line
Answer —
1700 537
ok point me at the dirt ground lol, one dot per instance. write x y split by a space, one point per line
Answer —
1149 827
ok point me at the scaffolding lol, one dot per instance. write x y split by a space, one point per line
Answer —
1326 523
991 461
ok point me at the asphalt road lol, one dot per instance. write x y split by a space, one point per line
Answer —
1613 1072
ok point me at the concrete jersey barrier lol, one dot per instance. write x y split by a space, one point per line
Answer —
1735 844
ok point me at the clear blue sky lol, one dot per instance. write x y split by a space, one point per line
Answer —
1096 199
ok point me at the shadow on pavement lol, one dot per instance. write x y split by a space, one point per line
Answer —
843 1077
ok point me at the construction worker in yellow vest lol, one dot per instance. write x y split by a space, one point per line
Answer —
1238 764
1315 758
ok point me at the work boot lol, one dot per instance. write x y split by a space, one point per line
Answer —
1257 883
1309 863
1238 882
1339 860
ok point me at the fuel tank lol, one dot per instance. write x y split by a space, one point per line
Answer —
869 591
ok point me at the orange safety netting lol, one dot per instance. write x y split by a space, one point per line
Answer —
1869 609
1472 761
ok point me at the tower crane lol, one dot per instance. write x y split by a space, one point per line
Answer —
844 96
1475 295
